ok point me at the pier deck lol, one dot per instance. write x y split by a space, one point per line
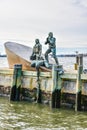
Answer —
67 84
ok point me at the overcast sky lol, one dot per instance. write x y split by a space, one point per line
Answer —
26 20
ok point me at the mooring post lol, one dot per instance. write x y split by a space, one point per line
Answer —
81 61
59 86
77 61
54 86
78 90
56 94
39 94
16 85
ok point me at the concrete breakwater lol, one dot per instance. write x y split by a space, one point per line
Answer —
56 90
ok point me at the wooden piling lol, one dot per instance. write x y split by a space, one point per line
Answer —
39 94
16 85
77 59
56 94
54 73
77 62
53 99
81 61
78 90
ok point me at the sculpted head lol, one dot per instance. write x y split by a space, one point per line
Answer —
36 41
50 34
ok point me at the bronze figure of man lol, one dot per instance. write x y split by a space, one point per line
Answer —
37 59
51 41
37 50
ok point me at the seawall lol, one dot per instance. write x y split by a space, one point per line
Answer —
67 83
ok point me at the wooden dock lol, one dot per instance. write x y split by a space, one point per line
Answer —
66 85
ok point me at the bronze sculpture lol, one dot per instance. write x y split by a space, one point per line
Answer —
36 56
37 50
37 59
51 41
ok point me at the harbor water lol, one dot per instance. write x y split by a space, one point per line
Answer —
67 62
33 116
27 116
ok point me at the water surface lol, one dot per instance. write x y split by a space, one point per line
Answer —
28 116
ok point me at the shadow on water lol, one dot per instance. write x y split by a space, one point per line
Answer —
27 116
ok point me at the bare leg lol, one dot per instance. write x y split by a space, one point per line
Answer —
46 54
56 60
54 55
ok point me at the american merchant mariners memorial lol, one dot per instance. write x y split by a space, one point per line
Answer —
40 78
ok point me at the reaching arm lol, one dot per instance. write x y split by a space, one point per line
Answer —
46 42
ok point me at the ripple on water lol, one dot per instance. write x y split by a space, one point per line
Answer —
26 116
